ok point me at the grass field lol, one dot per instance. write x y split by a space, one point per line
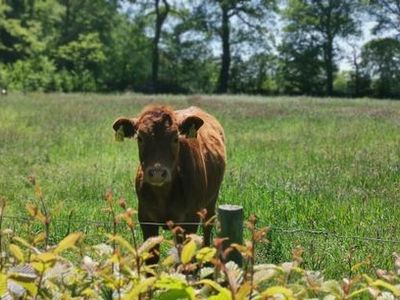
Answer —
297 163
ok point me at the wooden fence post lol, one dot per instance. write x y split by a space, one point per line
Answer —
231 220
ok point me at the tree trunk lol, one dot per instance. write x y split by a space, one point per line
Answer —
66 24
328 55
357 89
160 18
223 79
356 65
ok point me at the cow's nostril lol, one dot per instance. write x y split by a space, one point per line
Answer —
157 175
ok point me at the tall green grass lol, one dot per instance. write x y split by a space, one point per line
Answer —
297 163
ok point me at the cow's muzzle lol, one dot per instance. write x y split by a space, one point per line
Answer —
157 175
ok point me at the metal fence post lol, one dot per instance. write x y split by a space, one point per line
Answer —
231 220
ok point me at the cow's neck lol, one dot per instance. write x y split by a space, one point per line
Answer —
161 192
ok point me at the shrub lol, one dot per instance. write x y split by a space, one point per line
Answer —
34 269
35 74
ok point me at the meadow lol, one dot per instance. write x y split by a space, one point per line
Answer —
323 173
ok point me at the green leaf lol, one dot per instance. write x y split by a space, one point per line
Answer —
140 288
357 293
264 274
39 238
46 257
333 287
206 272
24 273
89 293
205 254
219 296
188 252
223 293
169 260
68 242
34 210
174 294
382 284
122 242
31 287
22 241
17 252
150 243
278 290
243 291
3 284
176 288
170 282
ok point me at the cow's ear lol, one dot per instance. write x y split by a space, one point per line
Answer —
124 128
190 125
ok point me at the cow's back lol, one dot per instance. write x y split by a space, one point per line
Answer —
204 173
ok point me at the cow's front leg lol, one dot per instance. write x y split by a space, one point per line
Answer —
190 228
150 231
208 228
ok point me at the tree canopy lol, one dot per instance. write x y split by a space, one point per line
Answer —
225 46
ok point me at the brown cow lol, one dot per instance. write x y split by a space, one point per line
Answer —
182 163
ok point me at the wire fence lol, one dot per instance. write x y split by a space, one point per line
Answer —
333 235
77 223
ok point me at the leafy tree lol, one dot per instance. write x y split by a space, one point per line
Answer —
27 30
34 74
301 65
83 17
19 35
323 21
381 60
161 13
387 15
254 75
359 85
127 65
234 22
160 9
188 61
181 59
83 57
84 34
84 53
358 81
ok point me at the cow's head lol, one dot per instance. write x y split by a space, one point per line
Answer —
159 133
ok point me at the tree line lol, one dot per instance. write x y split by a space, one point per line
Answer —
225 46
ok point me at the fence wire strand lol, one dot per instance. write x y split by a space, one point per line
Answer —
105 224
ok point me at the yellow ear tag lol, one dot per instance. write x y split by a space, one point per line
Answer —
119 134
192 134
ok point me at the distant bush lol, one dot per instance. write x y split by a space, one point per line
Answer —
33 269
35 74
40 75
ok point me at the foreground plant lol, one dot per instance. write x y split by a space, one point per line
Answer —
116 269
